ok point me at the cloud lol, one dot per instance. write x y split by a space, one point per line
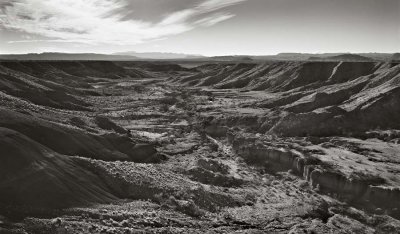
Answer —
178 17
214 19
103 21
213 5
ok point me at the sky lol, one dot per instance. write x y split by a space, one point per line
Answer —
207 27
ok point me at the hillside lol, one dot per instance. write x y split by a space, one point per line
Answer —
316 90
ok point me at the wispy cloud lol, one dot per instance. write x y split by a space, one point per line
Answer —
96 21
214 19
213 5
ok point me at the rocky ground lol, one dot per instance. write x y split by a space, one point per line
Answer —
158 147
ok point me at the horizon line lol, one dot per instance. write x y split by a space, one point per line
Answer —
190 54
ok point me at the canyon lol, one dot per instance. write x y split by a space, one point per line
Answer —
200 146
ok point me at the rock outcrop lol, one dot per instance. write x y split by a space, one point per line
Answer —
362 190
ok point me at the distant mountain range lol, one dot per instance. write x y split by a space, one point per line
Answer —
66 56
362 57
92 56
343 57
136 56
160 55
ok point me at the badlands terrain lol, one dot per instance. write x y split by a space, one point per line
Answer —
194 147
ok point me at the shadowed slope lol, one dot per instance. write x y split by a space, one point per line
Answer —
35 177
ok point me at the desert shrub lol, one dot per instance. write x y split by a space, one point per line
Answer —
78 122
169 100
164 108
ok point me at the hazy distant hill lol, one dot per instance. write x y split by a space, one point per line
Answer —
307 57
66 56
242 58
396 57
378 56
343 57
295 56
159 55
329 56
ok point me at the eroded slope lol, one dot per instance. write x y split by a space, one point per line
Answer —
137 146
